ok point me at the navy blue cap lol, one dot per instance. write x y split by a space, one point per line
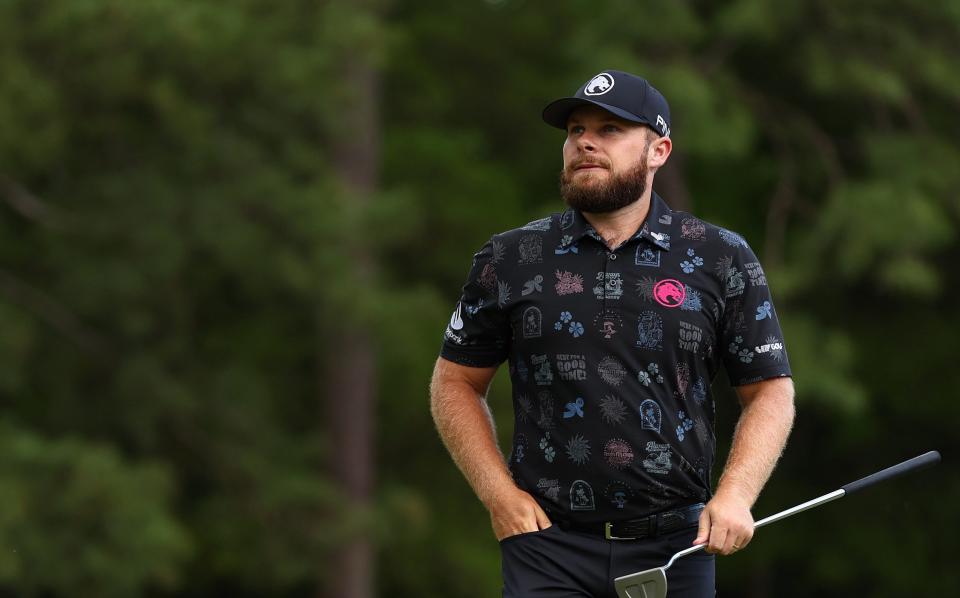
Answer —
628 96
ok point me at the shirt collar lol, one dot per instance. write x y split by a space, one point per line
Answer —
655 229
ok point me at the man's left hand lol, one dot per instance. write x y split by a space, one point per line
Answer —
726 525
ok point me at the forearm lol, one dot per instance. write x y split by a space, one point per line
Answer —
758 441
466 427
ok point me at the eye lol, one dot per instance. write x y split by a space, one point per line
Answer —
610 128
575 129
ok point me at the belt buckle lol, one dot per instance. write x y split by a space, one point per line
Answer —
607 526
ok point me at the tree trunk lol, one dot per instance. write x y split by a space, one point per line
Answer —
349 375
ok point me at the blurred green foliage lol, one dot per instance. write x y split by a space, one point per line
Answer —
174 242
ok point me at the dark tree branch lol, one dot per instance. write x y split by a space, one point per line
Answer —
51 312
25 203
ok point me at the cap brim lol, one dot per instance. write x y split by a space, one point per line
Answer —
556 113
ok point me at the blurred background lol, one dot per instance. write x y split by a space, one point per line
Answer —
232 232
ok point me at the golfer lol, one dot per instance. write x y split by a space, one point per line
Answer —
615 317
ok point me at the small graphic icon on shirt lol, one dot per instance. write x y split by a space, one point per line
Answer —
543 375
647 256
669 293
519 448
618 493
578 449
571 366
609 286
764 310
535 285
574 409
650 331
531 249
608 323
545 421
611 371
550 489
773 346
693 229
618 453
568 283
532 322
612 409
658 458
581 497
650 415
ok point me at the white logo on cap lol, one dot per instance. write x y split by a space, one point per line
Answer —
599 85
663 126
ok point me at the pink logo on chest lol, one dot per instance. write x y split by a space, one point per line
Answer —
669 293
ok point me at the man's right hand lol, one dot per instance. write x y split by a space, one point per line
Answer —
514 511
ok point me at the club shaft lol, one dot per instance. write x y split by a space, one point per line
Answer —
816 502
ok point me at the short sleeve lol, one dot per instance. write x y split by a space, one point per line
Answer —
479 332
751 342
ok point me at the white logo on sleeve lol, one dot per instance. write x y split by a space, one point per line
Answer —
456 322
599 85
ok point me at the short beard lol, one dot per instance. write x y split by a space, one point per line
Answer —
618 192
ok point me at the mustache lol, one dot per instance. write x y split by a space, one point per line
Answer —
590 162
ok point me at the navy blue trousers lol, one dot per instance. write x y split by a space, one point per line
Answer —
557 563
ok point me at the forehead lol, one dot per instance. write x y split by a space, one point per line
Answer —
585 114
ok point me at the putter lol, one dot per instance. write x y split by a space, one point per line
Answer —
652 583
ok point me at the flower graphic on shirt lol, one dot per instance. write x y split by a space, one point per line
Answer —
575 328
694 262
735 345
549 453
686 424
643 377
744 353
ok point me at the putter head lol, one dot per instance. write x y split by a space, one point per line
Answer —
651 583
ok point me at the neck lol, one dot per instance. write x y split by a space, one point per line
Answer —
618 226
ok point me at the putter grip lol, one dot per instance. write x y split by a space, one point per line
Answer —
924 460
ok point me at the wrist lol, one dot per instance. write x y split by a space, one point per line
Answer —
729 491
497 495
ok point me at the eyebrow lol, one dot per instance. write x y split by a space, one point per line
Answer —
606 119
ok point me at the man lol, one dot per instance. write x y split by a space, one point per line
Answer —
615 315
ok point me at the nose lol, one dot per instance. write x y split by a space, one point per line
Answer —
585 142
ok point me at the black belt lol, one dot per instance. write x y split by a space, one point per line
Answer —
644 527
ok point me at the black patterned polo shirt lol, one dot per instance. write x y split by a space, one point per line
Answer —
612 354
